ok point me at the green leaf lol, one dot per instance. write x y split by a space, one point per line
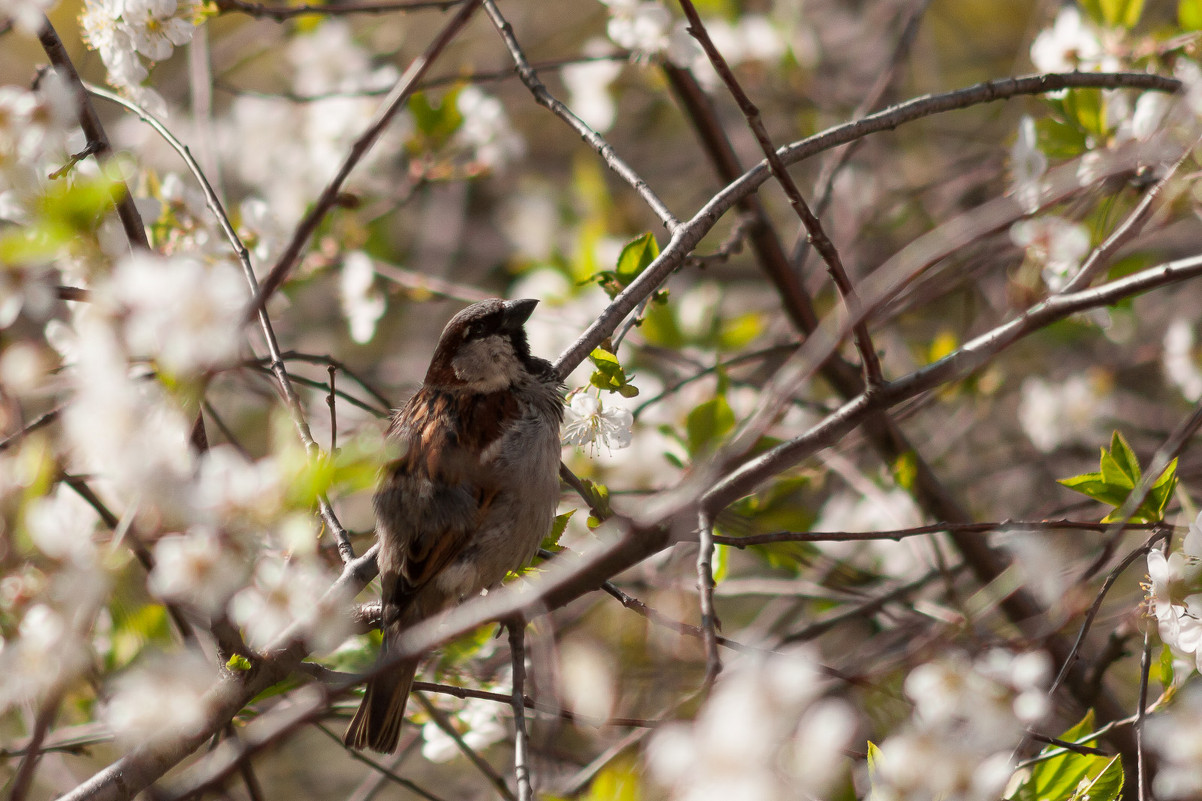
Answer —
1093 485
1106 786
1060 774
721 562
1087 108
708 423
558 526
1119 473
1121 13
436 121
617 781
1189 14
1060 139
905 470
737 332
609 375
635 258
238 664
1122 453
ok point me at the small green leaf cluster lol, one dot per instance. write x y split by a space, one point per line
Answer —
1118 474
610 375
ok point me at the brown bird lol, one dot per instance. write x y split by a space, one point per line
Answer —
472 494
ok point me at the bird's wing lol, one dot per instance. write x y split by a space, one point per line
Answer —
440 490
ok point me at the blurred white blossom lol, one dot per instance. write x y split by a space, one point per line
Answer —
1072 43
1056 244
766 733
286 593
968 717
588 85
124 426
27 15
588 421
178 311
647 30
1180 359
476 721
362 302
197 568
1052 415
45 654
486 130
1027 165
164 697
1176 736
234 492
61 525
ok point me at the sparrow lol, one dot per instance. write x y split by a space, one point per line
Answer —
472 494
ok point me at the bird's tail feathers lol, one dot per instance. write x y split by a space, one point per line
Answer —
377 722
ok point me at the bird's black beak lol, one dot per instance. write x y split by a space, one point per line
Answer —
517 312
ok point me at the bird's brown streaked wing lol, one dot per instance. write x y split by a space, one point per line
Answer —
452 459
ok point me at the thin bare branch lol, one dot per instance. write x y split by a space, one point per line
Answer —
98 142
521 738
23 779
705 591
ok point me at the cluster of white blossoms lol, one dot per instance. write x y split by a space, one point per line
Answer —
969 715
1174 595
125 32
767 732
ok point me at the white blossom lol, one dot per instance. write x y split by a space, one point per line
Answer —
486 130
164 697
27 15
1179 360
1052 415
1176 736
185 315
766 733
283 594
157 26
46 652
61 525
198 568
477 721
1055 243
1072 43
588 85
1028 164
589 422
647 30
362 303
968 717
